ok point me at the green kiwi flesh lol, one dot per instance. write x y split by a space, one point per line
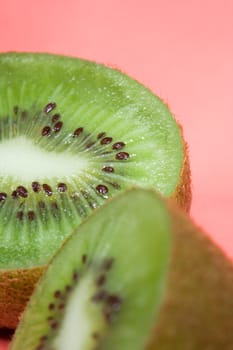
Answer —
72 134
137 274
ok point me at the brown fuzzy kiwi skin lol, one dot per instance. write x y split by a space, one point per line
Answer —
183 192
16 286
197 308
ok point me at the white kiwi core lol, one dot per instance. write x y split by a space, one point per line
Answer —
24 161
81 321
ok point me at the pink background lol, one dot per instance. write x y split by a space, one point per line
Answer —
181 49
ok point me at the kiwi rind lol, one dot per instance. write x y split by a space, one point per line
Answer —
21 279
183 193
16 286
196 309
197 312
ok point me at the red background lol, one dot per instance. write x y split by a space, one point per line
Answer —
181 49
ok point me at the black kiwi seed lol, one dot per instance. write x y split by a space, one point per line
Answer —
36 186
77 132
108 169
46 131
118 145
106 140
31 215
102 189
22 191
57 294
61 306
3 196
20 215
122 156
55 117
62 187
101 280
54 325
14 194
107 264
75 276
112 305
68 289
49 107
57 127
24 114
47 189
51 306
84 258
100 135
114 301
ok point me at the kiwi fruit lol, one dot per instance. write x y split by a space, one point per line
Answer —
72 134
135 279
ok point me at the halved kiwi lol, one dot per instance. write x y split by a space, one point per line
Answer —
137 274
72 134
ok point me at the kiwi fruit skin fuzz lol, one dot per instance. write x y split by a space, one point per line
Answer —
176 292
197 312
72 134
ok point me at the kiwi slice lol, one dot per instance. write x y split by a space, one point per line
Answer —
72 134
132 279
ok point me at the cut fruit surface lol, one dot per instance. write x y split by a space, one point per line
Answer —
119 259
74 133
132 279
